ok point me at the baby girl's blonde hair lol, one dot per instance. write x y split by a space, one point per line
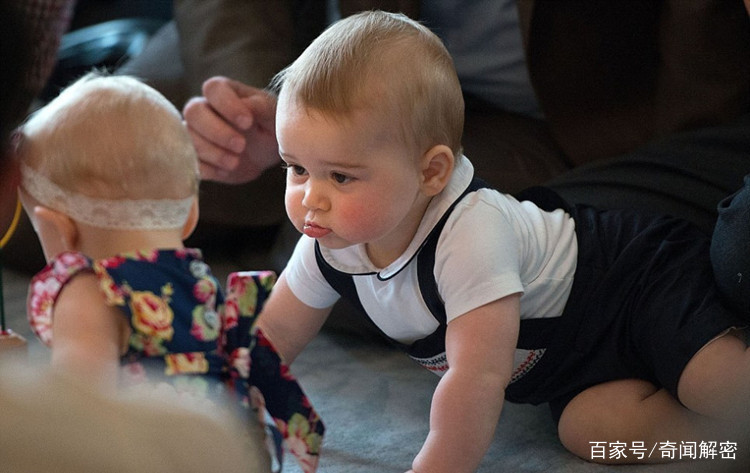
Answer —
387 64
112 137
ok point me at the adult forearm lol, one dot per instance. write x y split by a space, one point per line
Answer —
246 40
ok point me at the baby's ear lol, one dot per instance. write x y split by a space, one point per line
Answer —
57 232
437 168
191 221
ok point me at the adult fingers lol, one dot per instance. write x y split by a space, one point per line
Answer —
215 162
224 95
206 127
263 106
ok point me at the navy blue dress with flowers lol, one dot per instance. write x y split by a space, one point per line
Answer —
185 331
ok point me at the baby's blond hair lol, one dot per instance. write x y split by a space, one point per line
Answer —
386 63
112 137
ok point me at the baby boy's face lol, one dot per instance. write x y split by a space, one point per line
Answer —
348 181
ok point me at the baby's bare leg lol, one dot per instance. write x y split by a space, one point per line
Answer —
715 391
632 413
716 381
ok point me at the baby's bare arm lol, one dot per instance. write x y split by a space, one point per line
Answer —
289 323
466 406
89 336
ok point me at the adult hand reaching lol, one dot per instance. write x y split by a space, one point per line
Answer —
233 129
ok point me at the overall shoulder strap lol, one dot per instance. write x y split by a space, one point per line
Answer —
534 332
426 258
343 283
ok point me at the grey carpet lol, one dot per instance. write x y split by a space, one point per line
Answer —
375 403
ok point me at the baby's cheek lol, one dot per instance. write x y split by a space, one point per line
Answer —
361 221
293 204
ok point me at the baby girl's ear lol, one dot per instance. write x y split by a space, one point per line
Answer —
191 221
57 232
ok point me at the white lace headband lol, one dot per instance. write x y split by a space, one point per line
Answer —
121 214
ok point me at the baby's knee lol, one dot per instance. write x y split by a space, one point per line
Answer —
583 423
605 413
573 438
581 435
716 381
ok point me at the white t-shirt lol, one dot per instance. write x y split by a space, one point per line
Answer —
491 246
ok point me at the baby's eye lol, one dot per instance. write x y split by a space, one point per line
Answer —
341 178
295 169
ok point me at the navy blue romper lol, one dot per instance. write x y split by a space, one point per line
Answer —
643 302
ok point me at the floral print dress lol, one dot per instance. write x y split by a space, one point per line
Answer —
184 331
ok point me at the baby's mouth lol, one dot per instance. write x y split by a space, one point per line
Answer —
315 231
